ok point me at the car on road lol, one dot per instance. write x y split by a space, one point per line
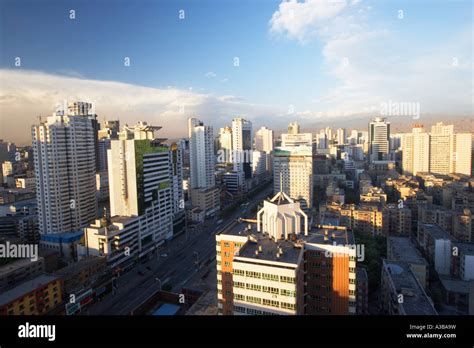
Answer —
164 255
140 273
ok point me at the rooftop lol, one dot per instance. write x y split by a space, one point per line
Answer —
454 285
466 248
19 263
290 249
436 232
25 288
415 300
403 249
76 267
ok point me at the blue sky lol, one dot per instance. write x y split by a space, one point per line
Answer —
338 57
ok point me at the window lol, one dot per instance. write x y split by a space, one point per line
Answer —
239 272
271 303
254 287
239 297
351 292
253 299
269 289
285 305
288 293
239 309
239 285
253 274
285 279
272 277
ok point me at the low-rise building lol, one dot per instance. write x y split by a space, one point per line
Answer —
402 249
37 296
402 293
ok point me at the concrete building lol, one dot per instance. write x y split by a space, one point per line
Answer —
20 270
300 139
367 219
341 136
379 140
399 220
276 265
294 128
37 296
403 250
402 293
65 165
293 173
242 141
202 179
264 140
141 183
437 246
20 219
416 151
440 152
225 139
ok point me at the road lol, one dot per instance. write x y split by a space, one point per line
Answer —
185 254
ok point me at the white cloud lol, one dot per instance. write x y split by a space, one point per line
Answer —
26 94
211 75
303 20
370 63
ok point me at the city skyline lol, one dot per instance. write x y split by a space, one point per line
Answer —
327 68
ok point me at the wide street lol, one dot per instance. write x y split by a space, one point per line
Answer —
174 264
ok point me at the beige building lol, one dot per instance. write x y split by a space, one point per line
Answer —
293 173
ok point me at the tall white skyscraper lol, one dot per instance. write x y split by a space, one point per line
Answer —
379 140
264 140
141 183
225 139
65 166
201 154
293 173
440 152
204 193
341 136
242 139
416 151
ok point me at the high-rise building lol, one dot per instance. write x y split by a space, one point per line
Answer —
341 136
177 150
201 154
273 265
65 165
264 140
141 183
293 173
242 139
259 162
7 170
204 193
440 152
225 139
293 128
379 140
